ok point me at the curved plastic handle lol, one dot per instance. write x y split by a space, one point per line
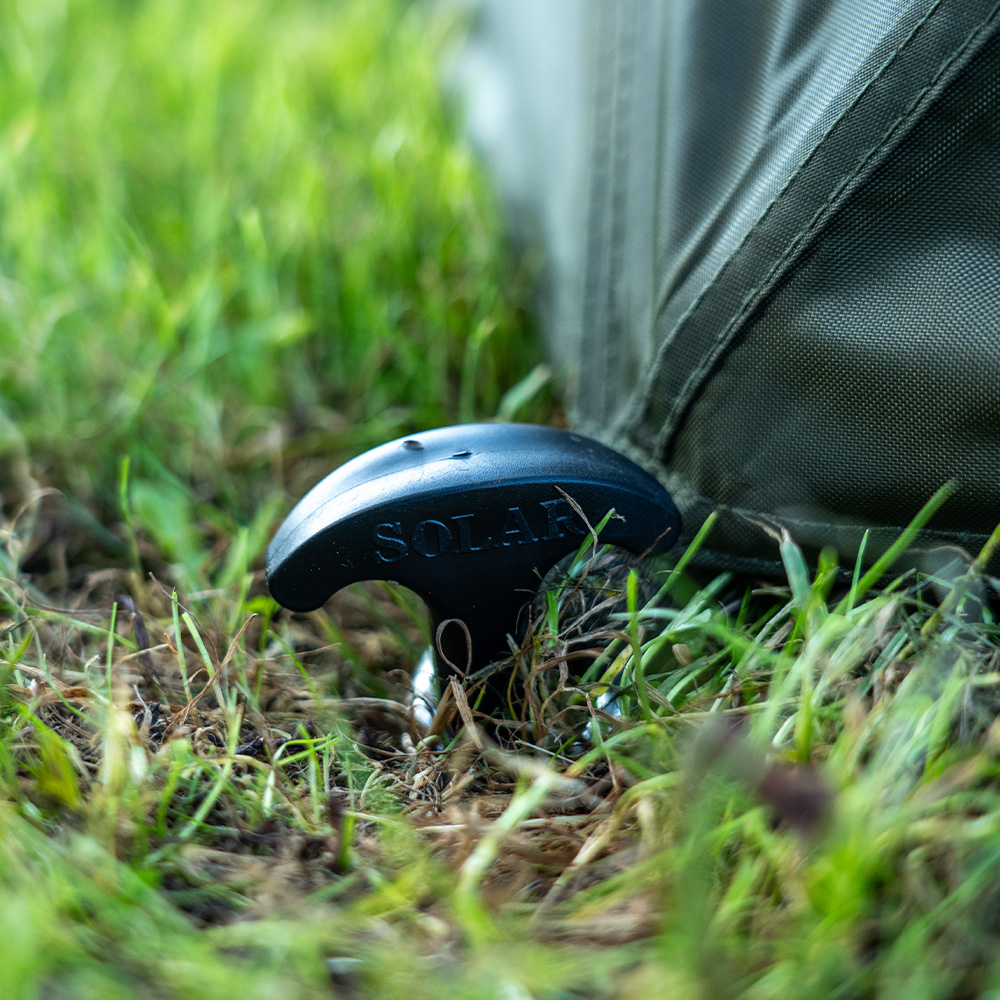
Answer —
469 518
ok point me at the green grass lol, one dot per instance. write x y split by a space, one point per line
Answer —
240 242
234 236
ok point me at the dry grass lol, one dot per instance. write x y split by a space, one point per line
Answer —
266 778
240 243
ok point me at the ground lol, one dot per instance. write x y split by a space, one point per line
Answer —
238 245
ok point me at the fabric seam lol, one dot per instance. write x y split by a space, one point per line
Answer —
813 227
693 307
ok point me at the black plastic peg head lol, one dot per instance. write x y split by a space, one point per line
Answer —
469 518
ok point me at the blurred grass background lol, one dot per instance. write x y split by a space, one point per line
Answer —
241 241
232 235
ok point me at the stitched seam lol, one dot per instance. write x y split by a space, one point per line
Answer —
758 564
864 168
801 522
600 161
618 211
821 142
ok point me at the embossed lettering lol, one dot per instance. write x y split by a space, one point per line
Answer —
389 544
516 529
560 516
430 538
464 534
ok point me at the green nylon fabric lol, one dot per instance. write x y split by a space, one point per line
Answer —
772 243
